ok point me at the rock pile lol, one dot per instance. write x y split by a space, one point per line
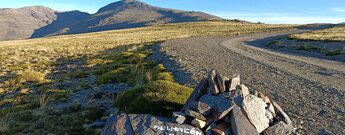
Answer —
217 106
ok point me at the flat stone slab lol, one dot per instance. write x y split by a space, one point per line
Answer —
240 124
256 112
142 124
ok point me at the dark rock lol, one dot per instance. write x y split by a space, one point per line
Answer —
199 90
211 82
208 130
134 124
222 129
240 124
179 117
280 128
220 106
195 114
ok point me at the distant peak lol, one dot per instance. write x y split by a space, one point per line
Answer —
128 1
123 4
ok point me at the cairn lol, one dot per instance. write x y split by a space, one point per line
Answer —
217 106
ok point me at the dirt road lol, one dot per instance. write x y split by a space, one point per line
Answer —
310 89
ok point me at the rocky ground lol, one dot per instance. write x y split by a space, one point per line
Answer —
309 89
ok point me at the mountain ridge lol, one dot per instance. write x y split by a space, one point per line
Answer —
40 21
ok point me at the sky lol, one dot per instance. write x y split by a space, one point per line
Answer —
267 11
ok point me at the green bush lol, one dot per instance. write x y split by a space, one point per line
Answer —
158 98
165 76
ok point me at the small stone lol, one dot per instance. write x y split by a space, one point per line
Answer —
271 109
255 110
198 123
245 91
203 108
279 129
234 82
222 129
179 117
194 114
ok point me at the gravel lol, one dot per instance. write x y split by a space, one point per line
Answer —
314 100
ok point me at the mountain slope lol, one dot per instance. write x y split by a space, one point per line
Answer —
132 13
21 23
34 22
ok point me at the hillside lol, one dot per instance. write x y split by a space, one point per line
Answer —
34 22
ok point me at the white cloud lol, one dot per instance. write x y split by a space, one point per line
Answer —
280 18
339 10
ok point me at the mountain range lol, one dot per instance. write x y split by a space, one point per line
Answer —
39 21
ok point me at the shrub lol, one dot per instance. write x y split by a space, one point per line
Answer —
117 75
333 53
165 76
158 98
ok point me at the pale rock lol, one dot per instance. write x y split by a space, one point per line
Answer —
280 128
179 117
256 112
194 114
245 91
212 86
234 82
198 123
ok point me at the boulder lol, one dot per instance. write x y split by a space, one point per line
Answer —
254 108
240 124
280 128
142 124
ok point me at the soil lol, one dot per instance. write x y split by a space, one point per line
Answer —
310 89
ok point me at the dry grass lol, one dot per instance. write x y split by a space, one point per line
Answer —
335 34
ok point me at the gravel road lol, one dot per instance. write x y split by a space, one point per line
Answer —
310 90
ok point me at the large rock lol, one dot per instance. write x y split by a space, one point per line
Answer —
220 106
280 128
136 124
220 82
240 124
256 112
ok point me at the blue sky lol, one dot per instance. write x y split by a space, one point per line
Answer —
268 11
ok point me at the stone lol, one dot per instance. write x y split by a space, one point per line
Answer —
279 128
266 99
234 82
199 90
203 108
280 114
325 132
179 117
245 91
254 108
222 129
220 83
220 106
240 124
194 114
142 124
270 108
198 123
212 86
